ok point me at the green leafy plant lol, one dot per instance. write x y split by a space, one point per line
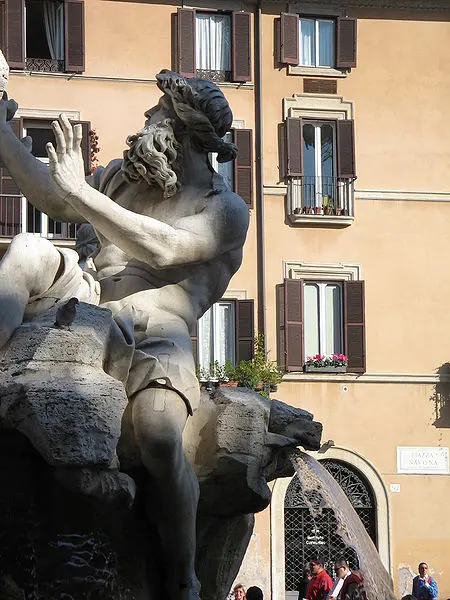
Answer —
258 374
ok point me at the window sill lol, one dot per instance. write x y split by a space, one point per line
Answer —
316 72
319 220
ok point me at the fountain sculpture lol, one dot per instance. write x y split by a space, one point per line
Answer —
119 479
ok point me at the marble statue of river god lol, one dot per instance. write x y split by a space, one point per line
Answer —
107 489
171 237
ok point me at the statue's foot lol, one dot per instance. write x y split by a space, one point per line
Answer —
110 486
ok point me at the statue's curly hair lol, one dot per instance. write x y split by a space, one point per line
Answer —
202 109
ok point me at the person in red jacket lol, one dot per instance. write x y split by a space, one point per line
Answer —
353 587
320 583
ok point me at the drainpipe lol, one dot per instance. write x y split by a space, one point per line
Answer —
259 177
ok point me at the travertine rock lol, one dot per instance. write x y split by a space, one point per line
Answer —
53 389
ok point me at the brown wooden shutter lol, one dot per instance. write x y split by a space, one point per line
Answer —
346 43
293 324
241 52
3 26
186 41
243 165
289 50
15 28
85 144
346 148
294 141
10 206
354 326
194 341
245 330
74 36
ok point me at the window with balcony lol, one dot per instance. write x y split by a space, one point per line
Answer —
318 316
317 43
212 44
320 157
44 35
224 333
16 213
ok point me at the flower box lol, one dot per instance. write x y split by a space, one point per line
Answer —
327 369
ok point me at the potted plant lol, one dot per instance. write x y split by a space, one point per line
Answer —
336 363
259 374
327 203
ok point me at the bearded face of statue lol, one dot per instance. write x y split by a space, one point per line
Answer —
153 152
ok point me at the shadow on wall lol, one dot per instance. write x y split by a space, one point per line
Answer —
441 397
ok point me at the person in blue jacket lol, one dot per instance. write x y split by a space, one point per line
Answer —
424 586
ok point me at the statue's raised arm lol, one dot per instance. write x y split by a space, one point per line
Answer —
29 173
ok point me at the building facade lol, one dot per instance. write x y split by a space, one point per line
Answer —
341 119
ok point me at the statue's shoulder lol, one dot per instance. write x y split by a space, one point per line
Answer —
102 176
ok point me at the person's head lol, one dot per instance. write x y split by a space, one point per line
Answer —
423 569
307 572
254 593
341 568
316 565
190 108
239 592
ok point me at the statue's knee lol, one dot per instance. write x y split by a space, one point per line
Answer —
27 242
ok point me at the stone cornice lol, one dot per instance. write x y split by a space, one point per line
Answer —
402 378
423 5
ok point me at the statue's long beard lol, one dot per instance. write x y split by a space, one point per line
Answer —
152 157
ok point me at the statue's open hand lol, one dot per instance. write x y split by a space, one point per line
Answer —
66 162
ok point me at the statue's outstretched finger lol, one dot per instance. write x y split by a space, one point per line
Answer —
52 157
60 139
67 130
77 136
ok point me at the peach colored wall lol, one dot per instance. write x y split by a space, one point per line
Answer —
401 247
401 91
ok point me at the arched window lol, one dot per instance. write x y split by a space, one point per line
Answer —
306 538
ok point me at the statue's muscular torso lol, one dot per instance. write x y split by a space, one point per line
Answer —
165 295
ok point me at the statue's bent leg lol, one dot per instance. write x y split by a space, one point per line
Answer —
159 416
29 268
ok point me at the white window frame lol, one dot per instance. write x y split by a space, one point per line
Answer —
217 334
317 21
322 285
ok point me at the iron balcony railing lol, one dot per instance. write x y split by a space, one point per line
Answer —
311 195
19 216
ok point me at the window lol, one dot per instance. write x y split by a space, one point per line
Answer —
238 174
323 317
225 169
44 35
225 333
216 331
16 214
323 331
317 42
213 44
320 166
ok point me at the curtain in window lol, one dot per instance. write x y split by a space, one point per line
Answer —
307 42
333 319
54 28
326 44
213 44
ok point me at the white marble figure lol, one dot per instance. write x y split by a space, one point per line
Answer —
171 237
